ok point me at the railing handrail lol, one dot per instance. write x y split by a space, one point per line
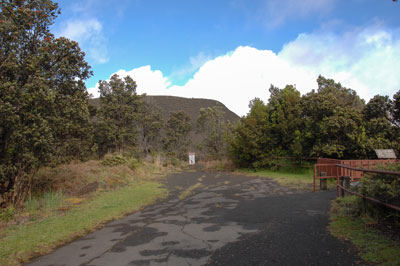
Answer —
368 170
351 168
341 168
394 207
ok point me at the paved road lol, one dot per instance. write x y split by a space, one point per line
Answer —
229 220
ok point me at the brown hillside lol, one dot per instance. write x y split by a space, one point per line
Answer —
190 106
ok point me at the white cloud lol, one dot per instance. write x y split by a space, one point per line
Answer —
149 81
238 77
89 34
234 79
367 61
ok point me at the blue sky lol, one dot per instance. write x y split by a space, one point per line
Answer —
233 50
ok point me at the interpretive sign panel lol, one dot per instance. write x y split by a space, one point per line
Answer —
192 158
386 154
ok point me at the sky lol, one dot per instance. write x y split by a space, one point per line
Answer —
233 50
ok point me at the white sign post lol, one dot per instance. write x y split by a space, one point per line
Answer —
192 159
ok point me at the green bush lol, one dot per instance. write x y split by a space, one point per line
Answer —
7 214
114 160
175 161
133 163
383 187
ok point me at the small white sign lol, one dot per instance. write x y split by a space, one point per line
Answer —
192 159
386 154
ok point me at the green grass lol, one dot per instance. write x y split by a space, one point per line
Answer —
373 247
52 200
32 205
300 178
20 243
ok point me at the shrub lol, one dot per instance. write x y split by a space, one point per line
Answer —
133 163
114 160
7 214
175 161
383 187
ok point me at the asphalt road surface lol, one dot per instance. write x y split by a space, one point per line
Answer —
229 219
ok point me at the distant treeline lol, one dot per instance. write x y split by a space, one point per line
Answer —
331 122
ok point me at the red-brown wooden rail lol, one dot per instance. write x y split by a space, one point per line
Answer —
340 187
332 170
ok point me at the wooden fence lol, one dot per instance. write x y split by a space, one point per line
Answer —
344 186
329 168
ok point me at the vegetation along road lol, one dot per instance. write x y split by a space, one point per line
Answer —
216 219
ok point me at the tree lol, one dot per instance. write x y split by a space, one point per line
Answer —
149 127
333 121
250 143
284 110
378 107
177 130
379 122
211 124
43 99
272 129
396 109
118 113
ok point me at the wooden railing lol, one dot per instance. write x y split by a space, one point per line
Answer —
346 188
328 168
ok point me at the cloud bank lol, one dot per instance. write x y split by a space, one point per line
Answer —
366 60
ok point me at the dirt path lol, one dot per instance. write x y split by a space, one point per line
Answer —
228 219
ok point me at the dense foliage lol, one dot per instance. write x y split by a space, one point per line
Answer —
118 114
212 125
380 186
177 131
43 99
383 187
149 128
330 122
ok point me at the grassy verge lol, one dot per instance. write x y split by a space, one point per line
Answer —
297 178
20 243
73 199
373 247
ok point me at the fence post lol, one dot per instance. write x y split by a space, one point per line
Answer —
344 182
347 183
314 177
364 200
341 191
323 182
338 173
